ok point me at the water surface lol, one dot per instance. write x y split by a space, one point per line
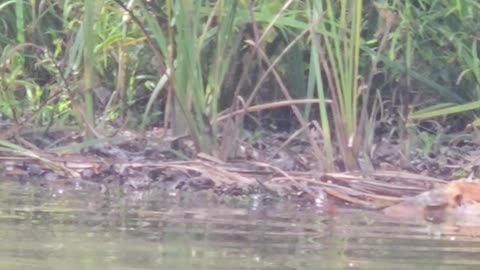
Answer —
83 227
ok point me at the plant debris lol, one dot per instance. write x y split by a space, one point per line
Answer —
268 165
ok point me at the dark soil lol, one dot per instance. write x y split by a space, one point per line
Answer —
273 164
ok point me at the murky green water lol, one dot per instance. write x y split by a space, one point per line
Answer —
83 228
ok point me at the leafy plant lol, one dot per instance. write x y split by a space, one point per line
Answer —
335 34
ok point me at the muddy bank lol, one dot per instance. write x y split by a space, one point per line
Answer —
277 164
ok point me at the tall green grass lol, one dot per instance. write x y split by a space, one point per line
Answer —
170 62
196 45
335 34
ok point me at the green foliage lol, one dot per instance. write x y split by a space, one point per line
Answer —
203 35
336 52
86 63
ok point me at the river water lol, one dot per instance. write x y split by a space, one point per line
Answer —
84 227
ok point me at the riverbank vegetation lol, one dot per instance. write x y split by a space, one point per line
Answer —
191 87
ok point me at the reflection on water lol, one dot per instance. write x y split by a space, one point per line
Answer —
82 228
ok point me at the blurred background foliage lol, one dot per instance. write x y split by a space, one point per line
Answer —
375 67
